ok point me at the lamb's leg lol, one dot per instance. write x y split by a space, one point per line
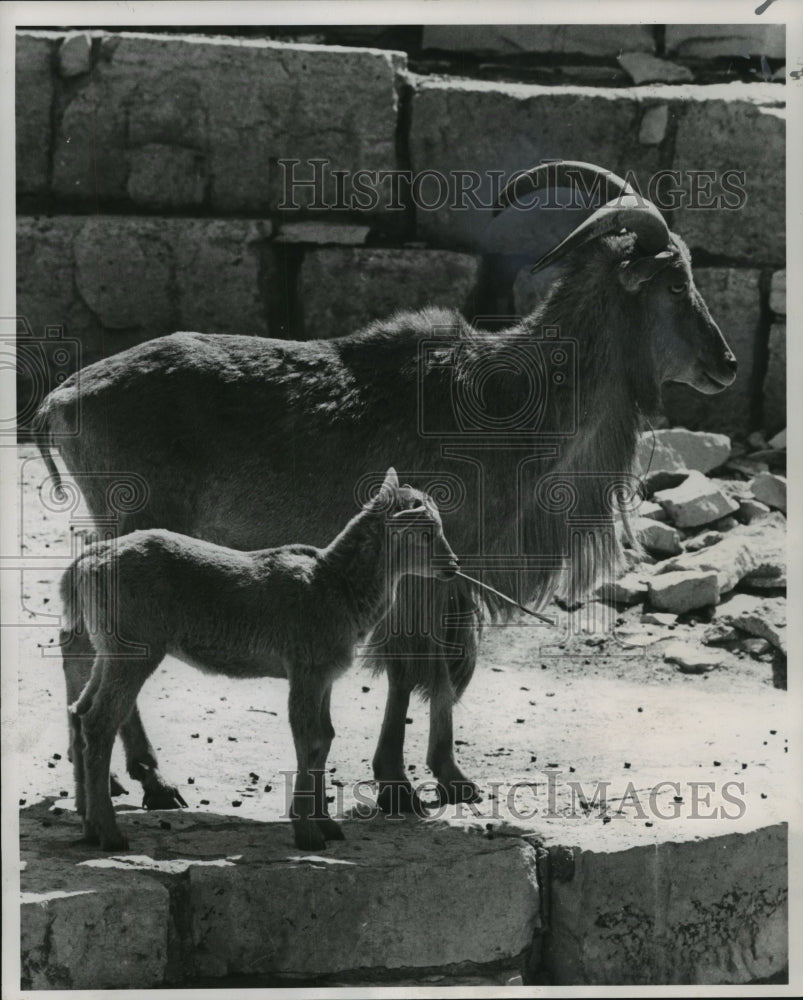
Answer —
142 765
445 682
453 785
120 682
77 658
396 794
309 797
328 827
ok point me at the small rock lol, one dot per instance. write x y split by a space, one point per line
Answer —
770 489
702 541
748 550
756 440
691 659
747 466
756 647
779 440
720 635
652 130
658 618
726 523
75 54
761 617
751 509
642 67
653 511
657 538
683 591
695 502
676 449
628 589
662 480
769 581
778 294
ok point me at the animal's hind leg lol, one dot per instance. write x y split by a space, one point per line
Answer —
77 659
143 766
111 702
396 794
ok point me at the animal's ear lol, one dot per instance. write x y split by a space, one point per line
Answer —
385 496
633 273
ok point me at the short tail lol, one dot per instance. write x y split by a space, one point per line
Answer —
45 444
71 597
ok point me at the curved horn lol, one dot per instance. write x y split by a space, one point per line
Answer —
560 173
627 211
630 212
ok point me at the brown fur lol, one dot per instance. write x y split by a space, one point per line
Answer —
230 434
294 611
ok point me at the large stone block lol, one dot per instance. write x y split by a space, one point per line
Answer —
479 128
705 41
738 131
323 915
220 267
114 281
343 288
516 39
34 97
774 389
702 912
734 299
108 933
179 120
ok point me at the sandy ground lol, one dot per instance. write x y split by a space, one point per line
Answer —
537 713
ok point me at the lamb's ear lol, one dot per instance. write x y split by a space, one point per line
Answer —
385 496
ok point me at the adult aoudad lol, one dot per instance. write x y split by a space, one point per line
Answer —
233 434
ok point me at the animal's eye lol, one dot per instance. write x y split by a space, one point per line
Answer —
678 289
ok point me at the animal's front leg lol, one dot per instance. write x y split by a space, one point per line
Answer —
328 827
453 785
309 796
396 794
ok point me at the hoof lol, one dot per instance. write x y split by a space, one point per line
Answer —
115 788
399 797
330 829
308 837
164 797
116 841
454 792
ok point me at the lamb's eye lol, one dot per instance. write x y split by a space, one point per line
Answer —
678 289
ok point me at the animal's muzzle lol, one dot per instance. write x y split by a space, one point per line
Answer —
448 569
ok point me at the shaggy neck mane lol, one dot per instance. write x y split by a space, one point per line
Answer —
615 385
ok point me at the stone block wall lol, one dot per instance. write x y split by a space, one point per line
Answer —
152 178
